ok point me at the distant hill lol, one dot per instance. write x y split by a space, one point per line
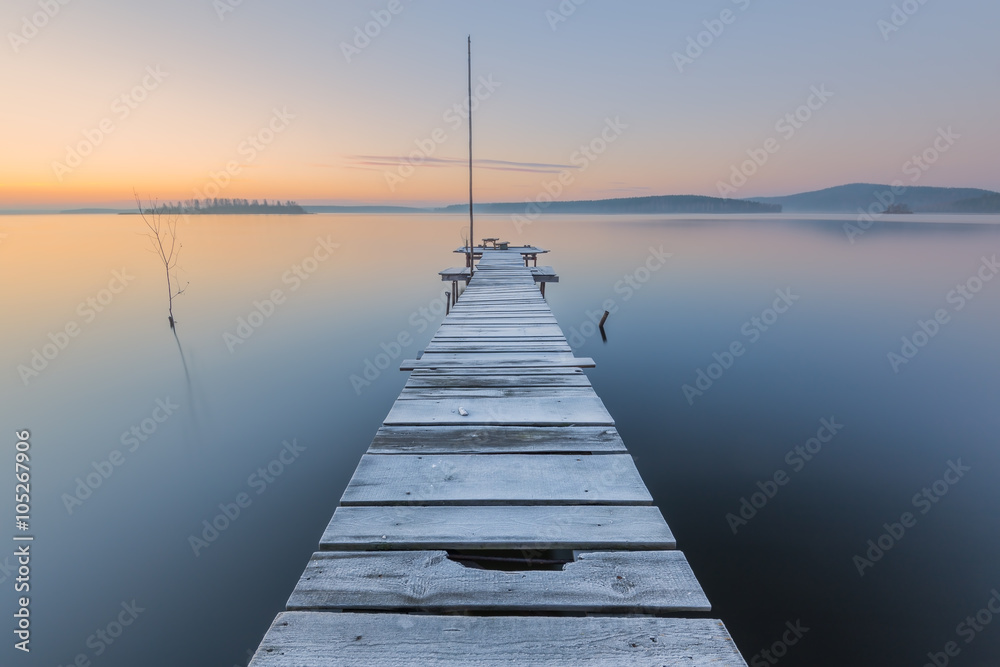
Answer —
850 198
988 203
366 209
661 204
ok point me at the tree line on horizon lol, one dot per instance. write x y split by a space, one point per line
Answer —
218 205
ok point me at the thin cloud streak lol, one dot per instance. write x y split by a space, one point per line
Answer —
383 161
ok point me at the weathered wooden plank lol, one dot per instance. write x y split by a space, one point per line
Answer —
516 357
487 370
486 439
450 330
516 331
502 303
475 337
469 312
496 342
499 360
504 328
497 319
496 479
483 310
502 380
623 582
513 310
321 639
449 325
521 289
540 411
531 294
477 344
475 314
513 320
459 393
539 306
528 294
477 330
495 347
581 527
498 313
501 341
531 306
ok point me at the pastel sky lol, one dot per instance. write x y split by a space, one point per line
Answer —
164 97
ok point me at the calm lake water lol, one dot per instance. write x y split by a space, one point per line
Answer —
200 419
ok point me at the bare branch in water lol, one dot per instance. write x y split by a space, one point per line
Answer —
162 237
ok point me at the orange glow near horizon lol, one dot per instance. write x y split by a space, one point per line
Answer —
166 118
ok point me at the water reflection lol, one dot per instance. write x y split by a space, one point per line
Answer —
291 380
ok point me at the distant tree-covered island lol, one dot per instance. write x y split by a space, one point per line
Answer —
226 206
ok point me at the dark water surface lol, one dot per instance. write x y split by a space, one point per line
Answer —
792 559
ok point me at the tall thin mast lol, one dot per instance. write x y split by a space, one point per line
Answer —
472 244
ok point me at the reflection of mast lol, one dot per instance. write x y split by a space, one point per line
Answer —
472 246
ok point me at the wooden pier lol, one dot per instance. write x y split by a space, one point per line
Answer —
497 518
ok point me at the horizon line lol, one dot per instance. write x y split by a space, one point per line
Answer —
70 208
